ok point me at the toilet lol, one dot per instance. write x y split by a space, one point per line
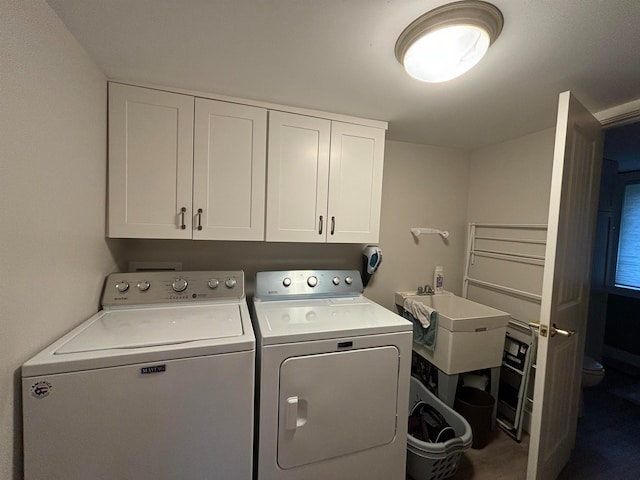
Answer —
592 372
592 375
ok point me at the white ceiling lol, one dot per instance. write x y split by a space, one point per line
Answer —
338 56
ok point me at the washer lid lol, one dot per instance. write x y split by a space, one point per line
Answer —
149 327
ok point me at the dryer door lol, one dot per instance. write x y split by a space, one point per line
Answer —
336 403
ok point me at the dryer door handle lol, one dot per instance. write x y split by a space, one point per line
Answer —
291 413
295 414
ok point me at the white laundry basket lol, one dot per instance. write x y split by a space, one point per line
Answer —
436 461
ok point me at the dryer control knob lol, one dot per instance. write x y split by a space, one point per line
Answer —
122 286
230 283
213 283
286 282
143 286
312 281
336 280
348 280
179 285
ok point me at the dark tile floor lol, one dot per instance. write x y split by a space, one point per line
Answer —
608 440
607 443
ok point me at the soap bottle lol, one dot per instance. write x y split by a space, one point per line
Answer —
438 279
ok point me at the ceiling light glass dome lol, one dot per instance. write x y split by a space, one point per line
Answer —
448 41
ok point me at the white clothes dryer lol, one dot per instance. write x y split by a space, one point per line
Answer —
333 379
158 385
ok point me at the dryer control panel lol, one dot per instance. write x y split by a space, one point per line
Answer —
299 284
138 288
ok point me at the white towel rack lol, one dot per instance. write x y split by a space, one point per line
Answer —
417 231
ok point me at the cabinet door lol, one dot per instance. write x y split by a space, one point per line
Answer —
229 169
150 163
297 178
355 183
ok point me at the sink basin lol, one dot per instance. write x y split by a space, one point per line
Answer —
470 335
457 313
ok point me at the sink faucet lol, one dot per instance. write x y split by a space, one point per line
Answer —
426 290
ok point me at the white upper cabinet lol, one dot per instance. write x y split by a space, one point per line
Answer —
169 179
150 163
229 168
324 180
185 166
298 178
355 183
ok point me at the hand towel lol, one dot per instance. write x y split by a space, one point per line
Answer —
425 322
419 310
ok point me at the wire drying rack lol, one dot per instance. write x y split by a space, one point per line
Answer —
503 269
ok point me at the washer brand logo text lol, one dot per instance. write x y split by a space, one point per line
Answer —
41 389
153 369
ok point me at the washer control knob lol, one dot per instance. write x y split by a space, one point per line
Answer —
286 282
179 285
336 280
348 280
122 286
230 282
312 281
143 286
213 283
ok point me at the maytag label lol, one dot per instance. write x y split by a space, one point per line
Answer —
153 369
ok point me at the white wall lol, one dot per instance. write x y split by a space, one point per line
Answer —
510 181
423 186
52 191
510 184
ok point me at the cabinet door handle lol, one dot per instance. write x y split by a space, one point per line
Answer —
183 210
333 225
199 219
320 227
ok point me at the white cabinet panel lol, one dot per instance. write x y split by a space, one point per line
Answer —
229 171
160 164
321 187
150 162
298 176
115 423
355 183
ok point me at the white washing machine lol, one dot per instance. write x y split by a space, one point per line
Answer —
333 376
158 385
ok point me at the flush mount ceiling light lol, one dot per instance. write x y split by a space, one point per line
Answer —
446 42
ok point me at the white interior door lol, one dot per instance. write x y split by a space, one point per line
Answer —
565 291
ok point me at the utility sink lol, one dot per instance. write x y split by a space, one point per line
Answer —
470 335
